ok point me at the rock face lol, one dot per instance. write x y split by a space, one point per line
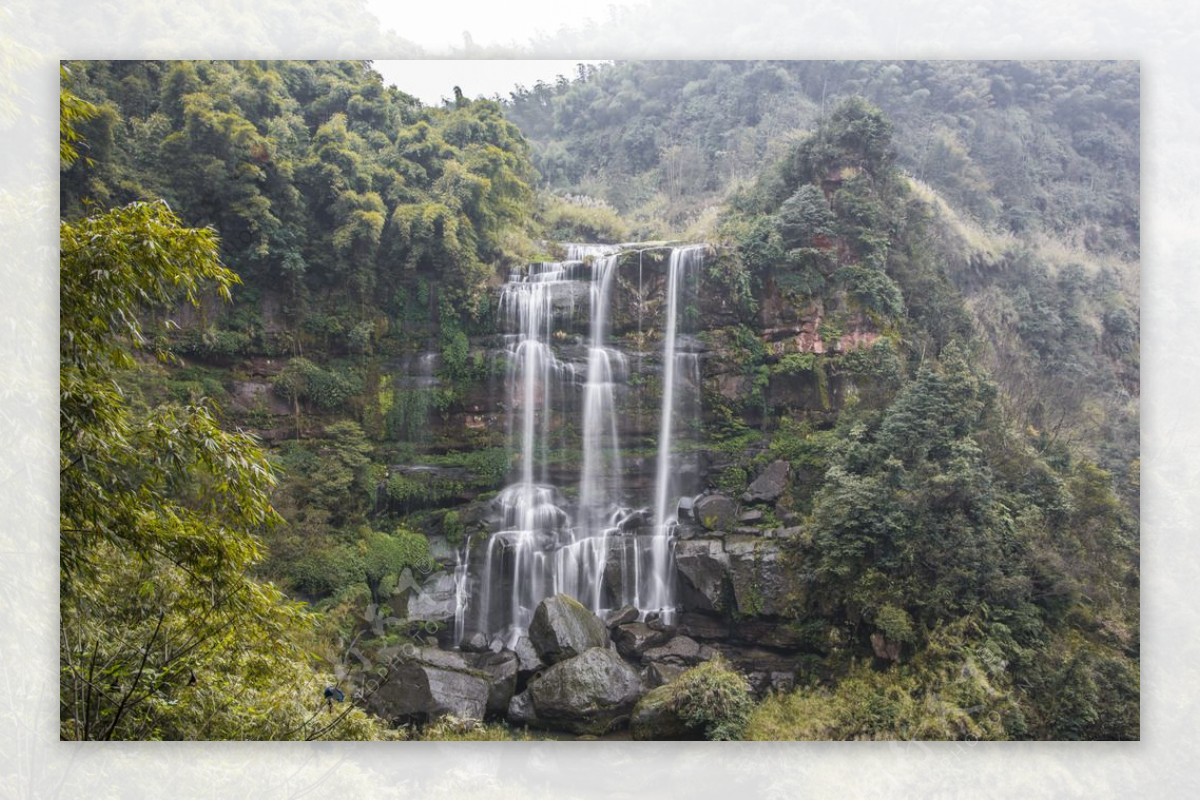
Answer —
703 567
563 628
587 694
716 512
770 484
427 684
759 580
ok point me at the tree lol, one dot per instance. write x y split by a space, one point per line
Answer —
164 631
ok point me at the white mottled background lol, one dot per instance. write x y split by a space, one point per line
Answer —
34 34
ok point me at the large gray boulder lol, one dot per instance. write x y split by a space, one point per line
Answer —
528 661
434 599
770 484
632 639
617 617
426 684
716 512
563 628
588 694
679 650
703 568
501 670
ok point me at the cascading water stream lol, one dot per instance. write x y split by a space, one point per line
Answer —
600 548
662 595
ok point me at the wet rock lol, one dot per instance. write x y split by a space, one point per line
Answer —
528 660
770 484
501 670
587 694
689 531
703 569
686 509
634 638
660 673
626 614
716 512
635 520
426 686
563 628
476 642
679 650
520 709
655 621
434 599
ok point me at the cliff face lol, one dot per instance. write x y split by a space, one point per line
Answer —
729 568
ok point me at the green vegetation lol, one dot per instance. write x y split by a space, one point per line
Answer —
712 698
164 632
922 295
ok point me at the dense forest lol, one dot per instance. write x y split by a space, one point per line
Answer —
907 493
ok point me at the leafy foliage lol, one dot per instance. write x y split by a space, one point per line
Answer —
164 634
712 698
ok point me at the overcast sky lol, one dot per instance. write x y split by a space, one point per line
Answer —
437 27
430 80
488 24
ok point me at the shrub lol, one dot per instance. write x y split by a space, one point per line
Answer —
714 698
450 728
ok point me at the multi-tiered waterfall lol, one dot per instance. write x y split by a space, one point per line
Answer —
596 538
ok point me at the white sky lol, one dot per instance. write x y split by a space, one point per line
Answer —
430 80
440 26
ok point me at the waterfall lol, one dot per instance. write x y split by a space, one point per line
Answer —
662 569
598 487
565 393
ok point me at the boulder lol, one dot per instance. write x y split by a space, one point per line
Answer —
528 660
520 709
679 650
475 642
703 569
427 685
434 599
634 638
563 628
770 484
654 718
586 694
716 512
501 670
617 617
660 673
